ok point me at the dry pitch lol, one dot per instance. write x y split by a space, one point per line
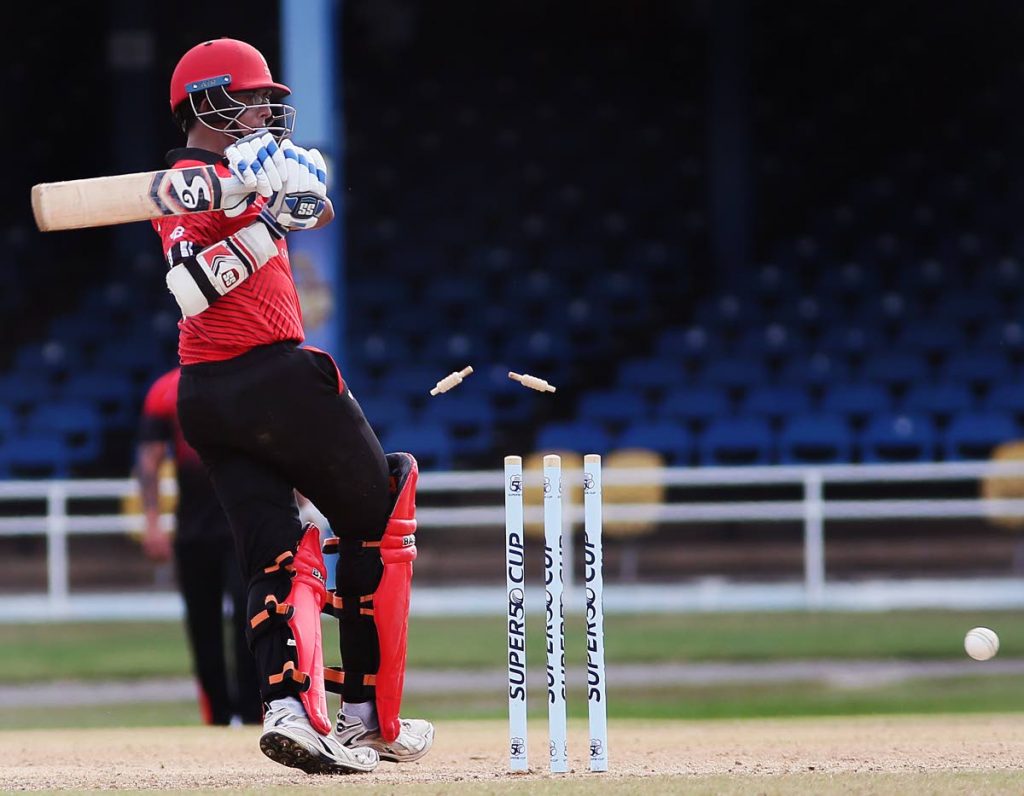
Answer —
943 754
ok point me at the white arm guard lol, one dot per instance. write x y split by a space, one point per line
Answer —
196 282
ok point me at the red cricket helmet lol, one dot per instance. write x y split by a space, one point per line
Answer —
228 63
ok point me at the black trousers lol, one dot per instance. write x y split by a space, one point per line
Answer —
207 572
275 419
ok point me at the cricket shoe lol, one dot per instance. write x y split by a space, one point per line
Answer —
290 739
415 737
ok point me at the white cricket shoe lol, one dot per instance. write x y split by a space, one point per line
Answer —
415 737
290 739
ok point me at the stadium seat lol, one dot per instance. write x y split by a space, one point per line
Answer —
736 441
974 435
736 373
384 410
49 358
695 405
115 394
851 340
651 373
939 401
79 423
895 369
692 345
770 342
1008 398
36 455
815 439
966 309
431 445
931 337
980 369
856 401
9 423
814 371
899 437
467 415
670 440
1001 335
617 406
22 390
581 436
775 401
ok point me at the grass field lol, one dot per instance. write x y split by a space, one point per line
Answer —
85 651
88 652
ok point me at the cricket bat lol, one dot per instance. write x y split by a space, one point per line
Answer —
123 198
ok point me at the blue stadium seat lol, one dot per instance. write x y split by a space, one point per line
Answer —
973 435
618 406
694 405
24 390
939 401
690 345
35 455
981 369
431 445
895 369
736 441
384 410
114 393
382 351
727 311
448 350
1002 335
137 357
966 308
410 381
9 423
466 414
78 423
899 437
536 350
815 370
815 439
449 296
581 436
669 439
775 401
651 373
770 342
50 358
851 340
850 281
930 337
1004 278
733 372
1006 397
856 401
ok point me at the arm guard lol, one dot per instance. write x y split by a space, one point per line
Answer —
198 280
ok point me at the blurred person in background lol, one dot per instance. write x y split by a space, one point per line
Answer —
206 569
268 417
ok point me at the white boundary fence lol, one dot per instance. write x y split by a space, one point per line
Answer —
57 524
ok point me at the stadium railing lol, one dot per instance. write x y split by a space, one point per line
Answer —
62 516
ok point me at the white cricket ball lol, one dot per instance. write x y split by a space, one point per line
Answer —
981 643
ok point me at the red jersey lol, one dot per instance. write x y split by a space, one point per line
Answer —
263 309
160 419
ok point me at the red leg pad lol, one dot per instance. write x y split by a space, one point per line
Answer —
391 599
307 596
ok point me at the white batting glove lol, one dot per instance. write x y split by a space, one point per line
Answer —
304 195
258 163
